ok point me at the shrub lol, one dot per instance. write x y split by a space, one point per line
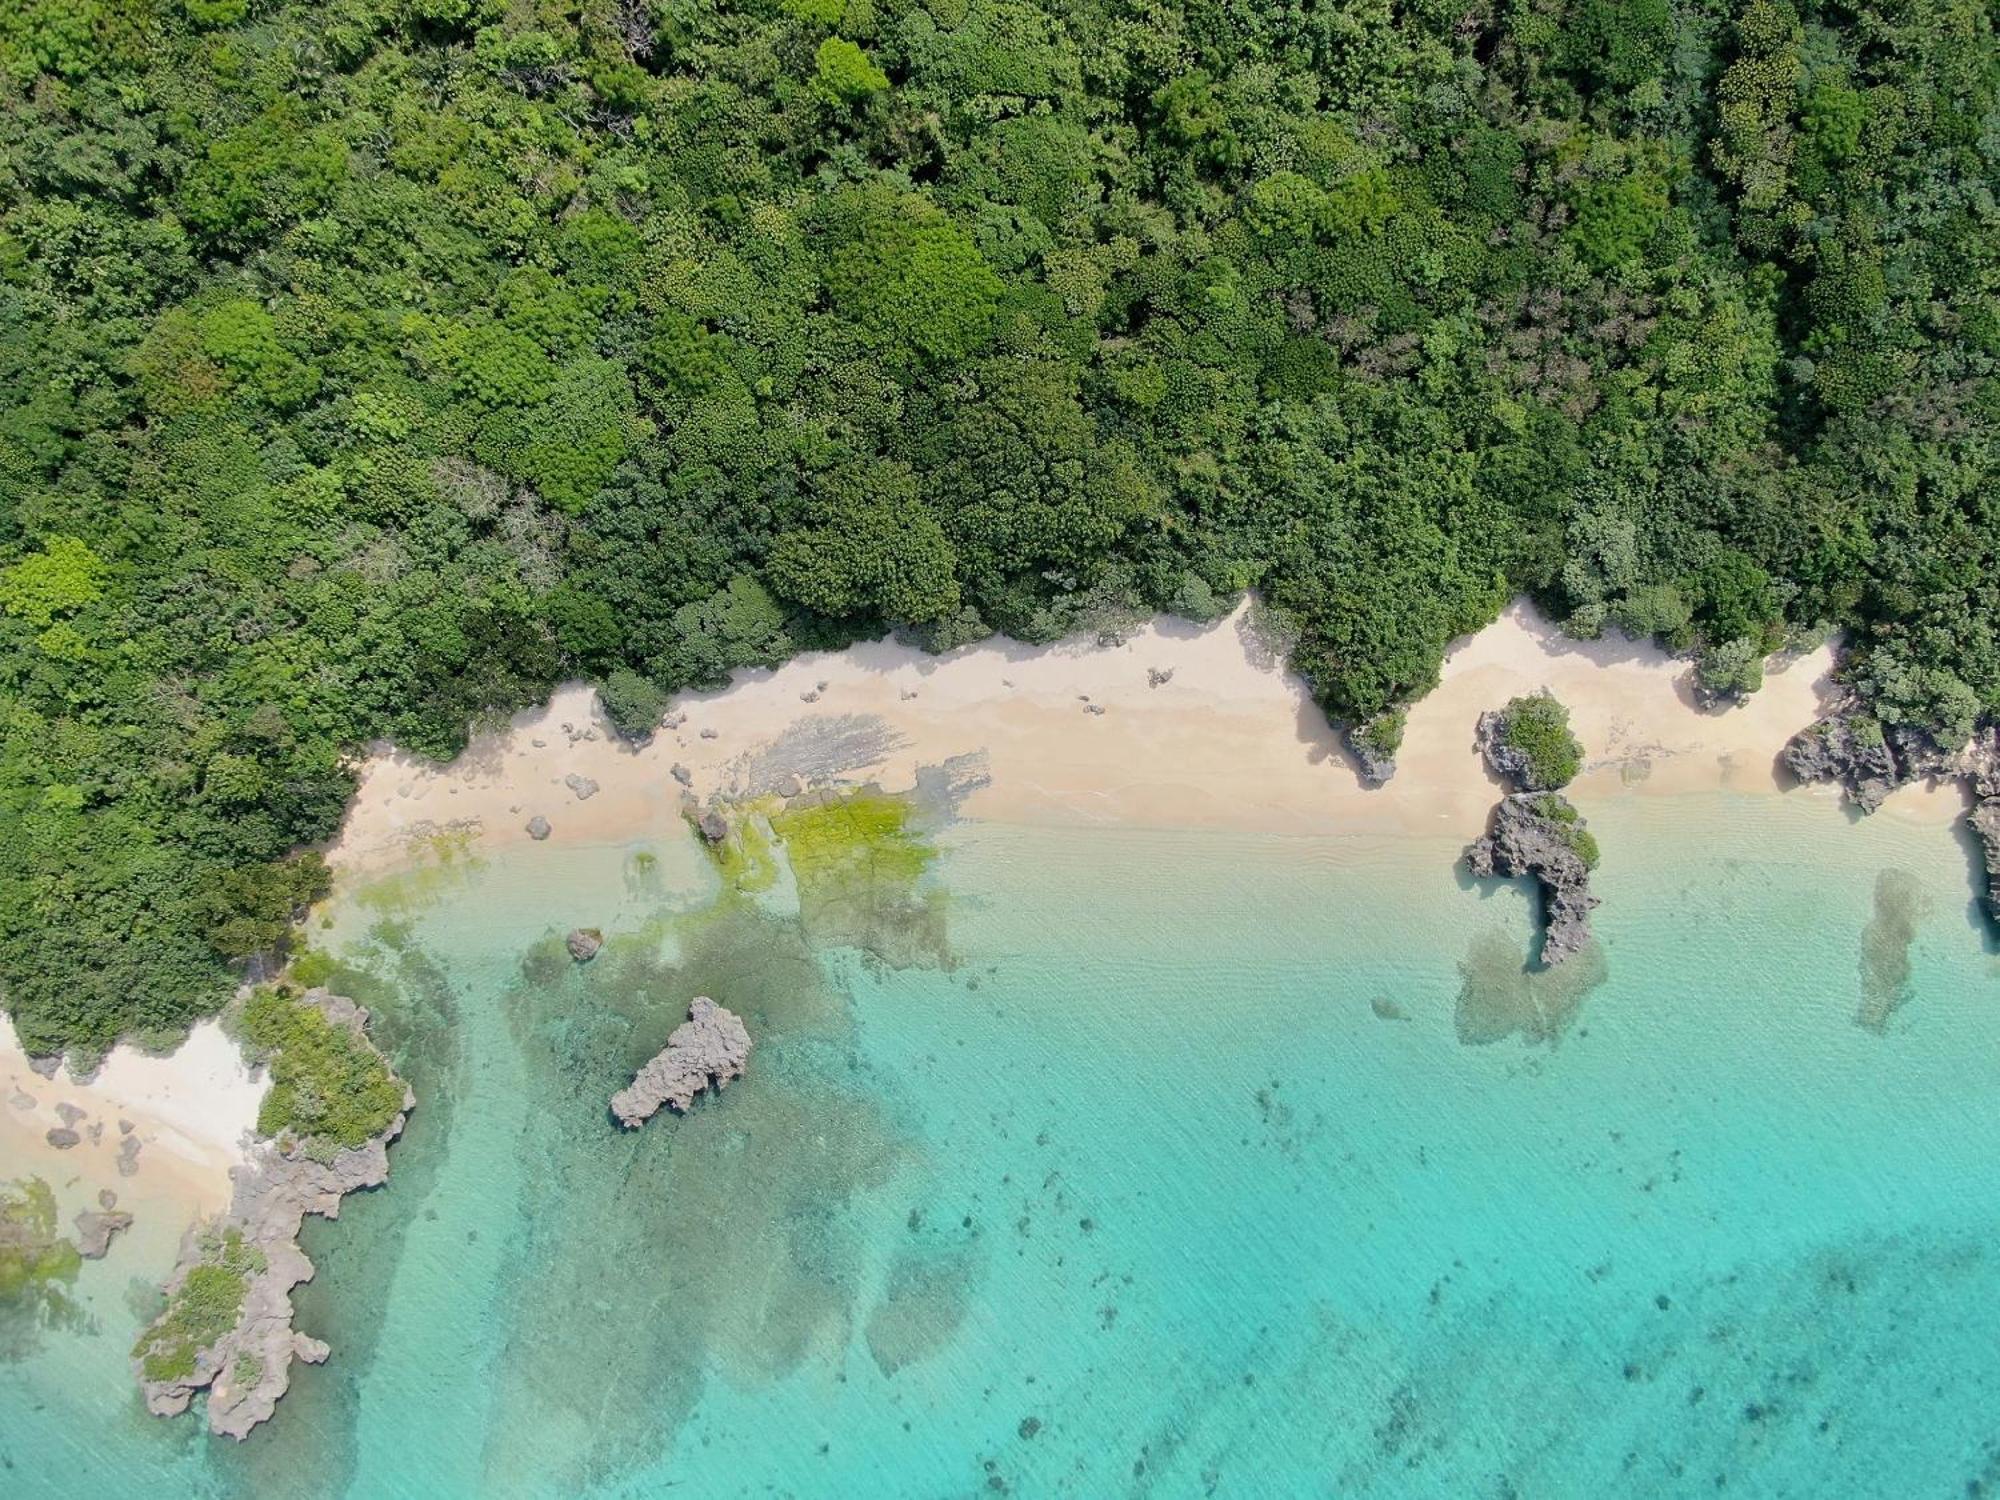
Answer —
1538 726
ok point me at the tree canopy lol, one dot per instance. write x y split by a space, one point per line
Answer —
366 366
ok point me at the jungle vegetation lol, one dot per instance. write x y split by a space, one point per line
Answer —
366 366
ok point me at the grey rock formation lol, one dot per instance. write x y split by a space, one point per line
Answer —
1867 759
538 828
583 943
248 1369
711 1046
94 1230
713 825
128 1156
1159 676
682 774
1981 768
62 1137
44 1067
1535 834
1509 764
583 786
69 1114
1375 768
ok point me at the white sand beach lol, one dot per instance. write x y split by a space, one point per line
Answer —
1229 739
190 1112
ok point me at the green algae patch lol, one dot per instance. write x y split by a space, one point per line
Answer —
435 864
744 858
203 1308
329 1089
32 1254
860 860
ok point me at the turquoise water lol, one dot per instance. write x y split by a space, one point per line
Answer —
1189 1164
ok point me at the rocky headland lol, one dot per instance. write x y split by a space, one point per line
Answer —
1868 760
710 1047
228 1325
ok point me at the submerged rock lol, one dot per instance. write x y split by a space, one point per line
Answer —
538 828
248 1369
62 1137
583 943
1541 834
95 1228
711 1046
713 825
583 786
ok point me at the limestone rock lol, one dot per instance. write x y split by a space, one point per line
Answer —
69 1114
1867 759
1375 767
682 774
62 1137
583 943
248 1369
711 1046
538 828
1538 834
583 786
94 1231
1508 763
128 1156
714 826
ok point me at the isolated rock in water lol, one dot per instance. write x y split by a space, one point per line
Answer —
1542 835
128 1156
583 943
714 826
538 828
710 1046
62 1137
94 1231
248 1369
583 786
68 1113
682 774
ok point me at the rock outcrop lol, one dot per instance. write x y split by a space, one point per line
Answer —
1866 758
248 1369
583 943
1374 766
1981 767
583 786
95 1228
538 828
711 1046
1540 834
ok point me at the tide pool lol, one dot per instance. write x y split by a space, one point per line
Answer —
1165 1164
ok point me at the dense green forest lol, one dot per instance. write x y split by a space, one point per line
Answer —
368 366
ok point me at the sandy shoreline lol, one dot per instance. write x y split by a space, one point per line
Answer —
1229 740
191 1114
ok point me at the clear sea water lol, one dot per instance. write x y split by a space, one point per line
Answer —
1190 1164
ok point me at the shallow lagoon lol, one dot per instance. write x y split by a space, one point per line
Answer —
1186 1164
